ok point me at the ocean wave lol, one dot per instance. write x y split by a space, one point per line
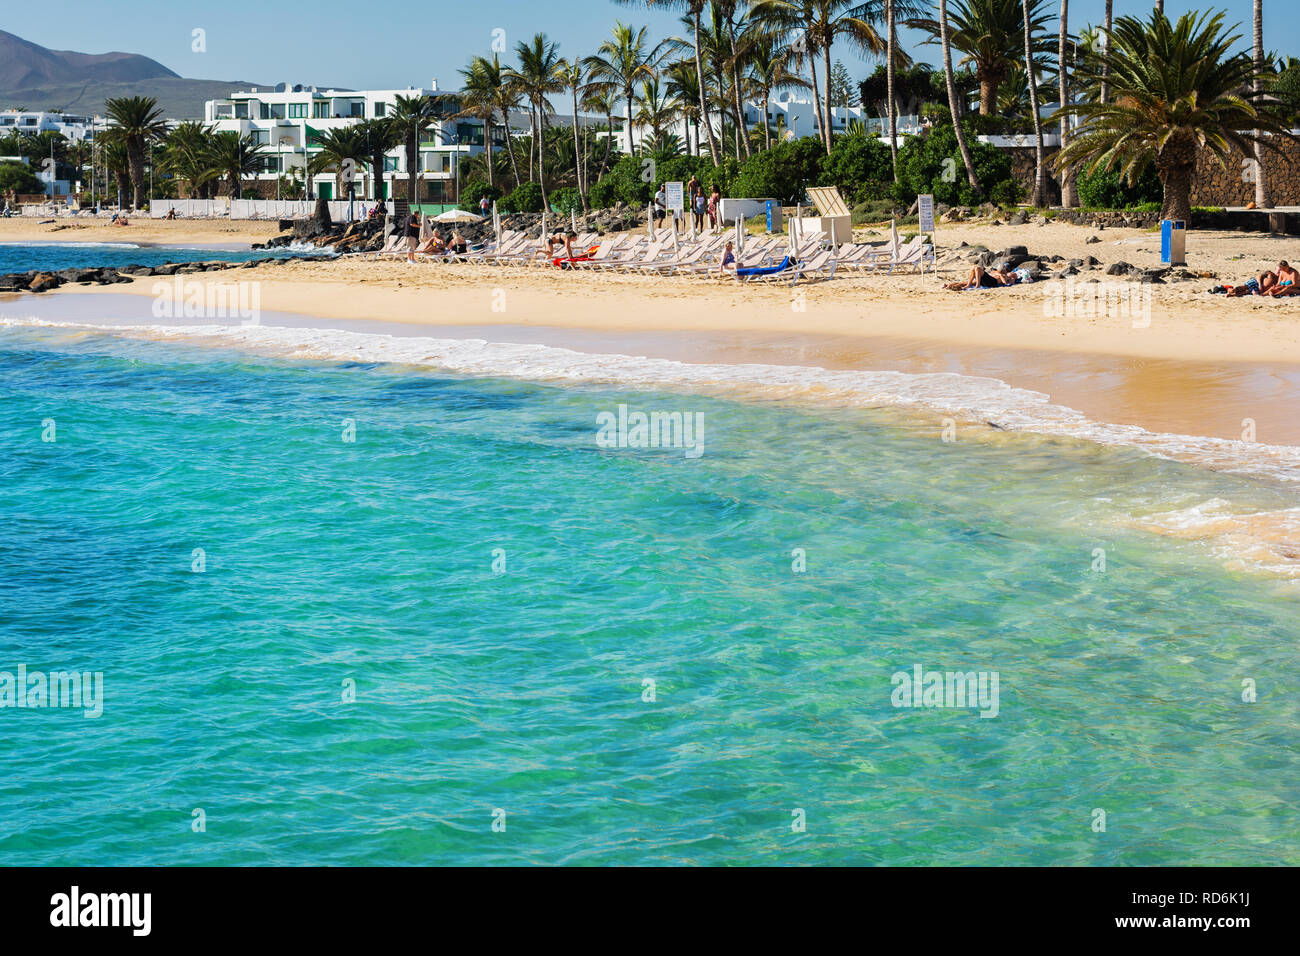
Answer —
45 243
1243 539
966 398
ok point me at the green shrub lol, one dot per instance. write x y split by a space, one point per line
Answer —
476 189
933 164
527 198
20 178
629 180
1105 189
782 172
860 167
566 200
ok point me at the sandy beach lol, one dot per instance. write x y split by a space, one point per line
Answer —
1192 363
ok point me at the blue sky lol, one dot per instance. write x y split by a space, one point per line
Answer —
271 42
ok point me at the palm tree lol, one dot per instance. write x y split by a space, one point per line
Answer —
623 62
991 35
1068 198
235 157
478 98
412 116
141 121
694 9
945 41
1107 21
823 22
539 74
769 71
342 150
656 109
1037 198
1176 89
600 99
730 10
575 78
1262 200
115 159
380 136
186 154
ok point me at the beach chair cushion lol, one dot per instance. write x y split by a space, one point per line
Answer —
764 270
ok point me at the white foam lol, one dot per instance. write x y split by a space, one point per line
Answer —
964 397
45 244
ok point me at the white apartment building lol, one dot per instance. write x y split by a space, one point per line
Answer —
75 128
284 118
788 117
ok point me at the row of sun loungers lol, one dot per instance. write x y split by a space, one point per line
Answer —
764 259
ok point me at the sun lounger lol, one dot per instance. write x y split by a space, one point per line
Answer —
821 265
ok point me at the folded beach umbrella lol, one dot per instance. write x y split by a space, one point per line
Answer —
543 220
650 221
496 223
426 229
740 234
573 220
676 244
893 234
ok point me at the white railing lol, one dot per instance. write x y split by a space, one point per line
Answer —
253 208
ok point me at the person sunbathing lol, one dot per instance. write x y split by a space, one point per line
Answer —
458 244
981 278
1288 281
728 260
1255 285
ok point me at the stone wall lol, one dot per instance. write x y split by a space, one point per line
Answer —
1213 185
1230 185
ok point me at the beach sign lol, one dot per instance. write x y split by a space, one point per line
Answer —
674 193
925 212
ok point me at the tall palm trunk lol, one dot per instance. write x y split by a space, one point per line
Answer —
532 135
830 126
609 140
412 167
817 100
699 75
135 162
631 146
1105 67
510 146
1068 199
767 127
743 127
945 41
577 153
890 41
487 146
377 169
1262 200
541 159
1033 106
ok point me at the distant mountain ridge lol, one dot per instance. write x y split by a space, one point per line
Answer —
34 77
25 64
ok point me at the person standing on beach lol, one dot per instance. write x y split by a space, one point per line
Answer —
412 234
661 205
715 197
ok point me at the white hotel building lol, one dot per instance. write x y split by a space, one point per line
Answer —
788 117
284 118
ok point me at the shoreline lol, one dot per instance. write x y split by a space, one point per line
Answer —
1205 378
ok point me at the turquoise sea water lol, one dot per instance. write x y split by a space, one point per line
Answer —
23 257
374 563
